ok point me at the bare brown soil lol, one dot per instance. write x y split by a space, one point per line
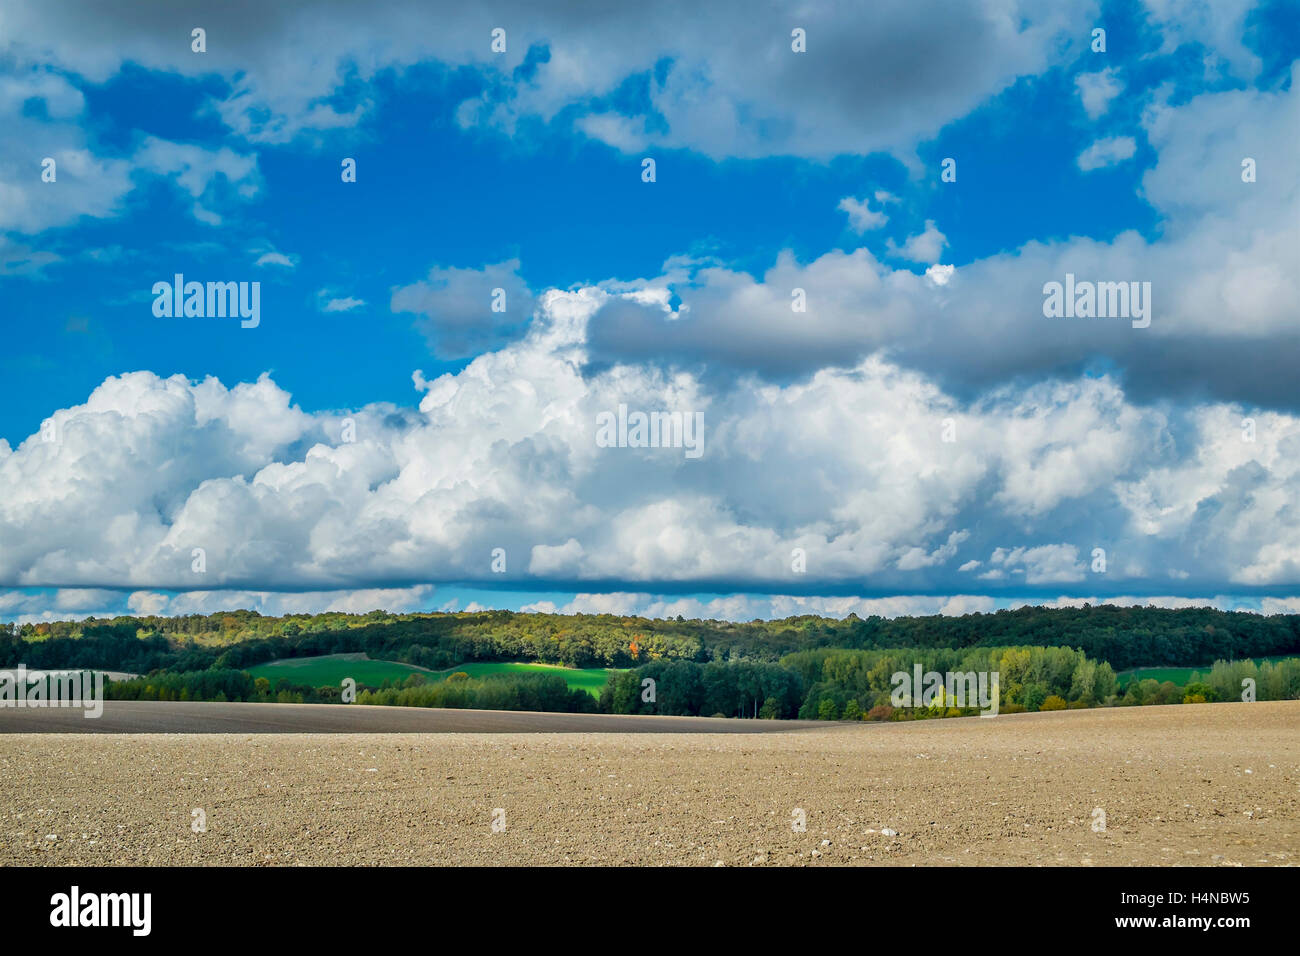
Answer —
1191 784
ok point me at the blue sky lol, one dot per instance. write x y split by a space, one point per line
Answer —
572 210
523 170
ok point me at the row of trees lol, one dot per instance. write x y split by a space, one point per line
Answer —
189 685
544 692
1272 680
830 684
685 688
841 680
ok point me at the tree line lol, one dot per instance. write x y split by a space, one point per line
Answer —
545 692
1122 637
834 684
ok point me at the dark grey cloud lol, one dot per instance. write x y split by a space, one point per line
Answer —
466 311
874 77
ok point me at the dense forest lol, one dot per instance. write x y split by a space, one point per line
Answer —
857 685
808 667
1122 637
811 685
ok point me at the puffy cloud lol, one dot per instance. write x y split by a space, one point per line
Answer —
1200 144
1218 26
71 600
85 185
940 274
210 176
1096 90
916 558
613 129
547 560
147 603
861 216
728 319
1047 564
1107 152
924 247
467 310
276 259
63 604
850 465
330 303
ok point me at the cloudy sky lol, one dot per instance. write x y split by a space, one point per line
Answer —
891 423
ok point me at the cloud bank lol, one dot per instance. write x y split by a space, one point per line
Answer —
873 473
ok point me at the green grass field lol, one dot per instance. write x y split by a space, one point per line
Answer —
1179 675
329 670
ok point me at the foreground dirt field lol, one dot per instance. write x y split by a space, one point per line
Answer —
1207 784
